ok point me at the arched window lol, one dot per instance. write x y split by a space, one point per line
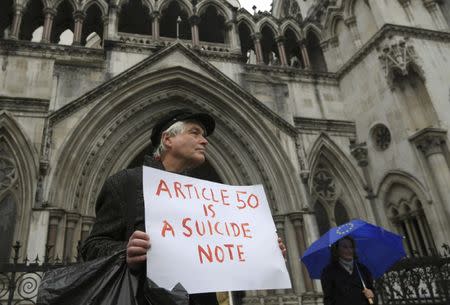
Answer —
322 218
135 18
6 16
8 211
269 46
212 26
293 53
406 213
445 8
365 20
63 23
32 21
415 100
247 45
330 189
315 52
347 47
92 33
340 213
168 22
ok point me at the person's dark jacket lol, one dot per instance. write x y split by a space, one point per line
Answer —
109 232
342 288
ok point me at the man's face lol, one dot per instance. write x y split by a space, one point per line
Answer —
188 147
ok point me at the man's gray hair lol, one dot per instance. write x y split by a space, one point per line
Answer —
172 131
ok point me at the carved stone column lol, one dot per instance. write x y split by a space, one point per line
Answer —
304 54
156 16
48 23
105 21
360 153
71 222
436 14
281 50
351 23
431 141
55 218
232 34
194 20
258 49
279 224
17 20
406 4
297 220
86 226
78 28
334 43
113 22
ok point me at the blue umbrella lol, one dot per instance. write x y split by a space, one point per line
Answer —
376 248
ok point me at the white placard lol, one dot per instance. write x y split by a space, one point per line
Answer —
210 237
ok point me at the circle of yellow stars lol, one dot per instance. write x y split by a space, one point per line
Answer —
344 229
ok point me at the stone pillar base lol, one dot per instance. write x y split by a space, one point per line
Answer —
311 298
286 299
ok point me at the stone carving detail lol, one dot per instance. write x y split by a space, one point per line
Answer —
430 144
292 9
359 152
7 169
381 137
397 55
324 184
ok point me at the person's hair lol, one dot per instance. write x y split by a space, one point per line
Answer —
335 251
172 131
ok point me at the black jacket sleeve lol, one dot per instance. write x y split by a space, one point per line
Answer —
328 287
109 230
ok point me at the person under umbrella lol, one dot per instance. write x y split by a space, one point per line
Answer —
344 280
332 258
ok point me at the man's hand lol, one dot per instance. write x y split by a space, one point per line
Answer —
137 248
282 247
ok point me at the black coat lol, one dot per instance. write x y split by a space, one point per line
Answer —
341 288
109 232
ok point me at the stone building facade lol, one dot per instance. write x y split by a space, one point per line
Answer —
340 108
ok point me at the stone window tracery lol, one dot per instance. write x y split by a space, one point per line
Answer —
381 137
7 168
8 177
406 213
329 207
324 184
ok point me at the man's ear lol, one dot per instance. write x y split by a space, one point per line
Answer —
166 140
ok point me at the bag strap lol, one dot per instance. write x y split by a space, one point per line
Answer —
131 196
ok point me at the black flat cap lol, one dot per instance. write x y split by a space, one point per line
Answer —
181 115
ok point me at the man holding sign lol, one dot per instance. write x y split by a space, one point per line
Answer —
180 145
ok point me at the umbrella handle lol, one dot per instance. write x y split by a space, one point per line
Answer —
370 300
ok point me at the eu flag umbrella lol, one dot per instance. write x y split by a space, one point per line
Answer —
376 248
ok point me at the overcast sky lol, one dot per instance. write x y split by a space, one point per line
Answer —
262 5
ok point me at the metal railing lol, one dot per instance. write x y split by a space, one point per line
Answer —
20 279
417 280
414 280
